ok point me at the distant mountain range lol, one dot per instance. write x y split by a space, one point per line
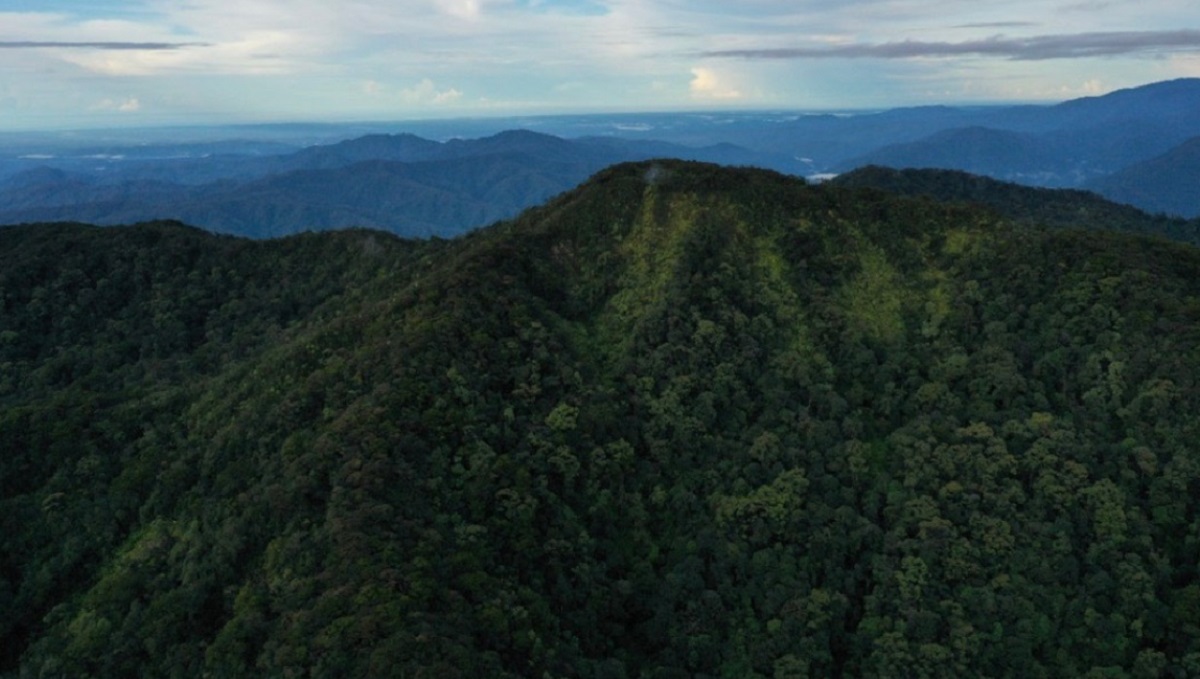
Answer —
1169 183
400 183
1136 146
1139 146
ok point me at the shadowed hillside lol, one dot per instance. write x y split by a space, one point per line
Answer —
1168 184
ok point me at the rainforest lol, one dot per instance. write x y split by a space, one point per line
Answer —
680 421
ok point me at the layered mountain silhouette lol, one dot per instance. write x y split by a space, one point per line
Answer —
1124 145
1109 144
399 183
1169 183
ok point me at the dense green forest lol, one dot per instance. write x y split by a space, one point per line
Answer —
682 421
1040 207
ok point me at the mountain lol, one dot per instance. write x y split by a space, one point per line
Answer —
399 183
1174 101
679 421
1013 156
1168 184
244 184
392 147
1058 208
1069 158
1067 145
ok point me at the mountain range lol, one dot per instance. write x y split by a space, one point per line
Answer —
681 420
1136 146
400 183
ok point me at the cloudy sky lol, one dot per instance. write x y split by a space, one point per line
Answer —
96 63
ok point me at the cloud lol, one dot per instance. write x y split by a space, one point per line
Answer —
706 84
447 97
463 9
425 92
120 46
1036 48
252 53
131 105
999 24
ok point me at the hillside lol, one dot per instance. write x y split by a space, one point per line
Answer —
1168 184
1123 144
1057 208
1003 154
400 183
680 421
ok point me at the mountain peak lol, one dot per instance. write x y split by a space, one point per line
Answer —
681 421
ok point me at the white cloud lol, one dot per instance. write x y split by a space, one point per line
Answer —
707 84
464 9
1184 66
425 92
129 105
447 96
1088 88
366 57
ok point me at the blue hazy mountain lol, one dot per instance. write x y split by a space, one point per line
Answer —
453 175
1002 154
1169 183
1073 144
397 182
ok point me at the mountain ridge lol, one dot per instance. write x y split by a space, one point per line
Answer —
1038 206
678 421
440 183
1166 183
1074 144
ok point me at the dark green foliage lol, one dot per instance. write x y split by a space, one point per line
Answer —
1059 208
682 421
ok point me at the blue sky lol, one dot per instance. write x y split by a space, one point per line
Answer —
151 62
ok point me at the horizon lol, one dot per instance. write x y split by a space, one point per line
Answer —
118 127
157 63
498 122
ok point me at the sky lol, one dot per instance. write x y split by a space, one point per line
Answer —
106 63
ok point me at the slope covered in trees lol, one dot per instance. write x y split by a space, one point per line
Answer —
681 421
1169 183
404 184
1038 207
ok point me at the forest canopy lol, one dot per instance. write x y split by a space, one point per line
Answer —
682 421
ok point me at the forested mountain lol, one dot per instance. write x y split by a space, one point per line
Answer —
1002 154
1112 144
401 183
1061 208
680 421
1169 183
276 180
